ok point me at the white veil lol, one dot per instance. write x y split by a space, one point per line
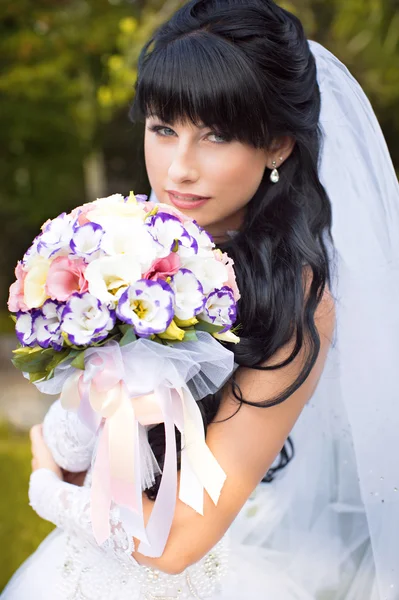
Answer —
359 177
331 520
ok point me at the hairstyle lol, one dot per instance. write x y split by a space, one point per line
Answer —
245 69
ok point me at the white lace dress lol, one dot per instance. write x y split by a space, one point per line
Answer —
69 565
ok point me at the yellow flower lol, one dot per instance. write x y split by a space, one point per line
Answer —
187 322
35 282
172 333
227 336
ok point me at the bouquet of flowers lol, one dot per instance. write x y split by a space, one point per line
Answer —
117 306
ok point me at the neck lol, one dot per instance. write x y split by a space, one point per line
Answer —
221 231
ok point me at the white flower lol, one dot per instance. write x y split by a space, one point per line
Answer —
109 276
115 206
85 320
148 306
128 236
211 273
189 295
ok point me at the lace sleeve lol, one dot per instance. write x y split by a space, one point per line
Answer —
68 507
70 441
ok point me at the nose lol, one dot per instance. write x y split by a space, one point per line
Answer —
183 167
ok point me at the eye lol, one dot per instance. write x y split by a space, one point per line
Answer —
161 130
218 138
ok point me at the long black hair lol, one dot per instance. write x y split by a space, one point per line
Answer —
245 69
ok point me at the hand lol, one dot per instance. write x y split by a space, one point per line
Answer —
41 455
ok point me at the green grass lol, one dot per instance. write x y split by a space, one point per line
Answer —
21 530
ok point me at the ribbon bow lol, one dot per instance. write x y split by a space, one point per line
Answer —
121 390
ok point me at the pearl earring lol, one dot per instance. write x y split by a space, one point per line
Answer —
274 175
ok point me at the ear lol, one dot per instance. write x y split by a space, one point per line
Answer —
280 149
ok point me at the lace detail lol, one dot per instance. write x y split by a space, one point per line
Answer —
69 440
92 572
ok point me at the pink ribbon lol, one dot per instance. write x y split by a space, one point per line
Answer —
101 397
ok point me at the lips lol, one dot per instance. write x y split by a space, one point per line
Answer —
186 201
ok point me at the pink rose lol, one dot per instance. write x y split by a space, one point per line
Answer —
164 267
231 279
65 277
149 206
16 297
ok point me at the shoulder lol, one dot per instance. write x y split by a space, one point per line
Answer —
325 312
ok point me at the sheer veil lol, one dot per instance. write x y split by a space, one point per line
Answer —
331 520
357 172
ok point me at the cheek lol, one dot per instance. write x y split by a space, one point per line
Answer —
238 176
155 161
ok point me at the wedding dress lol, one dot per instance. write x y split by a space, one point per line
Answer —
70 565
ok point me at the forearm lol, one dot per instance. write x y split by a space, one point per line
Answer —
68 506
69 440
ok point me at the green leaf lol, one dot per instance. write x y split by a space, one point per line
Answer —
208 327
190 336
58 358
128 337
35 361
79 361
124 328
37 376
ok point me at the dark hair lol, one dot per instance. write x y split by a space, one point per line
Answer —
244 68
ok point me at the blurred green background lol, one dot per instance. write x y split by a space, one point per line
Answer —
68 68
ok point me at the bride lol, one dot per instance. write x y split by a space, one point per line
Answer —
268 142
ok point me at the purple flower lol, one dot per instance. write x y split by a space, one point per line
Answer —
85 320
56 236
25 327
48 325
86 239
167 230
31 251
148 306
220 308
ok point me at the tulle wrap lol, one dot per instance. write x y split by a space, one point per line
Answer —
121 393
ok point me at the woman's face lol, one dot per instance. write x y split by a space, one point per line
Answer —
207 177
